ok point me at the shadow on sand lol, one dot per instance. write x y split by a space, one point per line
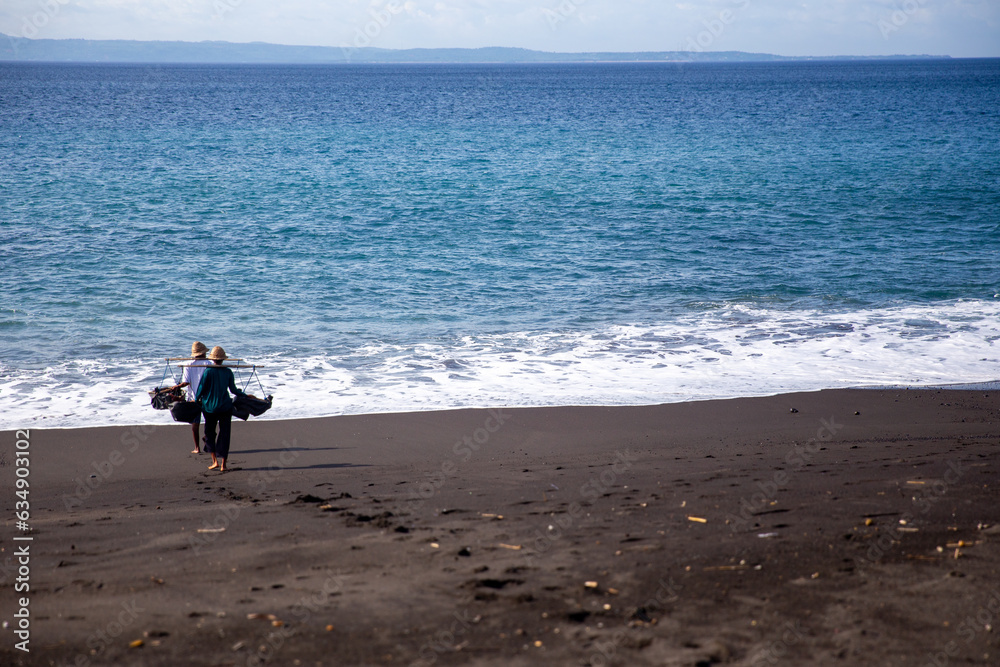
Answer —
318 466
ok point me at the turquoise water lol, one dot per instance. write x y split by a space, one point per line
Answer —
415 237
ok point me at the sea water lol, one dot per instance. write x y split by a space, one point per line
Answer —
389 238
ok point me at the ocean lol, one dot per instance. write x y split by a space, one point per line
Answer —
390 238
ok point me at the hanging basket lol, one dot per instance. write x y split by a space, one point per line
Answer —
188 412
162 398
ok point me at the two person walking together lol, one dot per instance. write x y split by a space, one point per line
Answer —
210 383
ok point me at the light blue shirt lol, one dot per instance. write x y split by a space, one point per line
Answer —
192 375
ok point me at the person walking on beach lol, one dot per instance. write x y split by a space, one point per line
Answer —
192 379
217 382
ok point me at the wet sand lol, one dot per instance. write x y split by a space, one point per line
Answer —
842 527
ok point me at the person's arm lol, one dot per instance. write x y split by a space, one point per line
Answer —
190 373
201 389
232 386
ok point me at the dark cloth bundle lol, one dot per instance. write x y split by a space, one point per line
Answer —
246 405
162 398
188 412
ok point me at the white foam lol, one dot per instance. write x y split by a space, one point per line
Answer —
737 351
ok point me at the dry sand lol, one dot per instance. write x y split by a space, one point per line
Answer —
841 527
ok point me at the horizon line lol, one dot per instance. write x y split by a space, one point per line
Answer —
498 47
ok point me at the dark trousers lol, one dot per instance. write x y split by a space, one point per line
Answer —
218 445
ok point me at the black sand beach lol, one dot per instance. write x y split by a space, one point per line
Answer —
844 527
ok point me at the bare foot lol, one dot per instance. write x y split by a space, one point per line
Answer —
196 451
213 466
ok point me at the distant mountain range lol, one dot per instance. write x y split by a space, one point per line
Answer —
130 51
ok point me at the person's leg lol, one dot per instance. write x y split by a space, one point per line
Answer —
210 440
222 444
194 432
209 432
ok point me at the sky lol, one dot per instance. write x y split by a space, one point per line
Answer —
960 28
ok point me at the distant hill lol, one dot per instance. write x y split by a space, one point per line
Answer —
129 51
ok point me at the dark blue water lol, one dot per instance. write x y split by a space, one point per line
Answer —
425 236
